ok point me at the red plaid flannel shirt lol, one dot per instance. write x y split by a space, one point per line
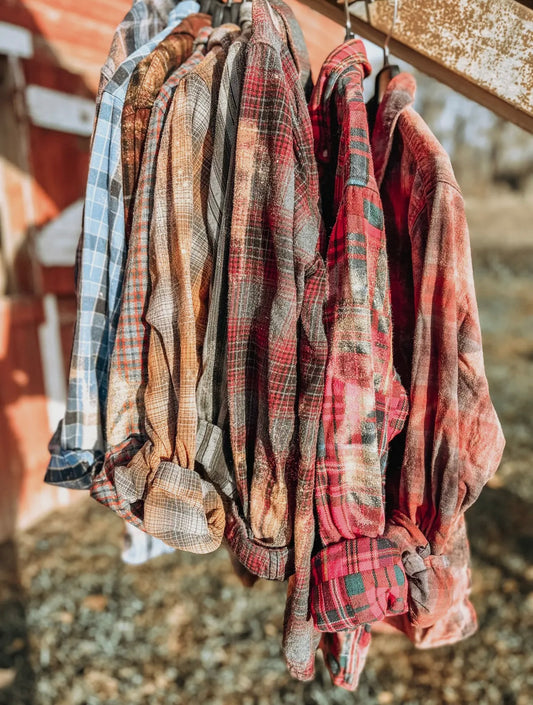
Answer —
276 340
365 405
357 578
452 442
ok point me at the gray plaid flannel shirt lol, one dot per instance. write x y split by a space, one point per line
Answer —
79 441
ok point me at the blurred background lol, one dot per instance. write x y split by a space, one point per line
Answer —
77 626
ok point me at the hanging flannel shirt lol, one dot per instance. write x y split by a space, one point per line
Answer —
128 370
211 392
211 397
452 442
358 575
143 89
144 20
212 440
160 483
276 342
79 440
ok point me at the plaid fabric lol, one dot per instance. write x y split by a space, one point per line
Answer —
345 655
296 44
357 582
452 442
211 393
79 440
145 19
276 342
178 506
364 403
447 583
143 89
211 390
129 364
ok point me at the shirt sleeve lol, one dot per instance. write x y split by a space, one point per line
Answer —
262 298
453 440
79 440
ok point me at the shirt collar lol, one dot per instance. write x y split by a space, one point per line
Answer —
191 25
201 40
400 94
183 9
267 26
347 57
295 39
223 36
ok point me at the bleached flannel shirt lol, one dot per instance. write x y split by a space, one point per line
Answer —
276 341
211 392
144 86
79 440
160 483
452 442
364 405
356 579
144 20
128 371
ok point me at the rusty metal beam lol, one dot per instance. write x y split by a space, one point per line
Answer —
480 48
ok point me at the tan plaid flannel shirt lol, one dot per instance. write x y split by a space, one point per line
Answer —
180 507
143 88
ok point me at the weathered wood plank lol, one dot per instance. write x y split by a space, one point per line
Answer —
482 49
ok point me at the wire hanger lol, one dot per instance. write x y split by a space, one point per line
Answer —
349 32
221 12
387 72
386 52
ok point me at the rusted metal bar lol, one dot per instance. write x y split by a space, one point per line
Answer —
482 49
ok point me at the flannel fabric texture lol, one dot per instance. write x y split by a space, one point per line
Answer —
452 442
128 374
143 89
356 582
143 21
128 369
211 391
79 441
276 341
365 405
178 505
345 655
296 44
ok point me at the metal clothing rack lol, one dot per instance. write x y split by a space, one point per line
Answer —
483 50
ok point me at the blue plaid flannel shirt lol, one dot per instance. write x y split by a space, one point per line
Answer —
79 443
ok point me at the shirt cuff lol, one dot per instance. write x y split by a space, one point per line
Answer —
70 468
355 582
429 577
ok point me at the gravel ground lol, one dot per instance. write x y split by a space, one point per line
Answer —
79 628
